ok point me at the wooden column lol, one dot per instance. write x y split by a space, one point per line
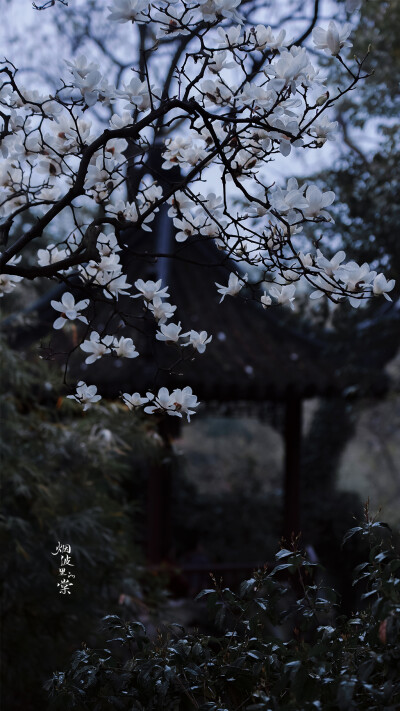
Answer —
292 434
159 511
159 494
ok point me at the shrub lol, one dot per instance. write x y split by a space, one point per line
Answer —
63 479
281 644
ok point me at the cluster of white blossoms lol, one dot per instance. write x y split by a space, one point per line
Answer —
214 116
179 402
98 346
153 295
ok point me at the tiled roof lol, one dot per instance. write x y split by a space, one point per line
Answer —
255 354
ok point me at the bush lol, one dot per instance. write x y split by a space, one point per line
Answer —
63 479
282 644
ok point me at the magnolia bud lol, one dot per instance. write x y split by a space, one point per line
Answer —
322 99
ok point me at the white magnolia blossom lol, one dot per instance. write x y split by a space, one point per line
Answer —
381 286
128 11
330 266
86 77
161 310
217 9
86 395
51 255
169 332
134 401
324 130
124 347
69 310
197 340
107 244
150 289
234 286
284 295
265 300
8 282
317 200
184 400
179 402
263 37
187 228
358 281
116 286
291 69
97 346
333 39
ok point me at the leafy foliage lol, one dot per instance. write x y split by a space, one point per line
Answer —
62 480
281 644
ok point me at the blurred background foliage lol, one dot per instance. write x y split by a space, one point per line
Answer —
64 478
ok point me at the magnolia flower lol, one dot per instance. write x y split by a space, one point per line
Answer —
219 61
324 130
292 68
120 121
124 347
149 289
171 23
330 265
215 91
186 228
284 294
124 210
357 279
137 93
179 202
70 311
217 9
327 286
96 347
161 310
230 36
381 286
305 260
134 400
127 11
51 255
333 39
198 340
8 282
117 286
162 402
86 395
263 37
184 400
286 200
178 402
106 244
266 300
169 332
86 78
317 200
234 286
